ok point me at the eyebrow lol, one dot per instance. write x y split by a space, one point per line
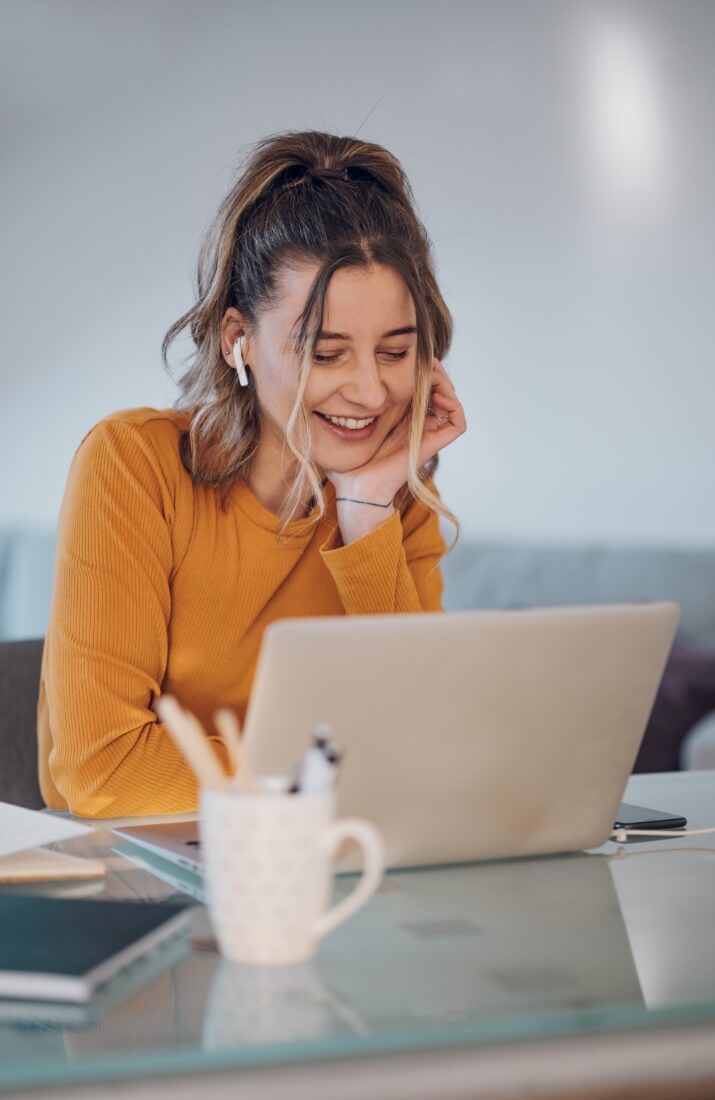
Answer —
407 330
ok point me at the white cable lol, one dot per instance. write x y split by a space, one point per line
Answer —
621 835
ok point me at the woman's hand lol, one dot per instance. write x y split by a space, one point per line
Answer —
380 479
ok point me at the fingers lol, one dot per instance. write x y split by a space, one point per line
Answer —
441 382
445 419
443 406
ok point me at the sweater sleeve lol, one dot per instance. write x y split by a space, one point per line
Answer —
107 641
393 569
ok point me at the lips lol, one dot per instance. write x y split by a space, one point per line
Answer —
349 434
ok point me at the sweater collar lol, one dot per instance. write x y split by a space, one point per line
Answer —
299 531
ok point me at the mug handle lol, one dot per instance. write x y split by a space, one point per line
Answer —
373 851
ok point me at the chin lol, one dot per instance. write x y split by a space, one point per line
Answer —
340 462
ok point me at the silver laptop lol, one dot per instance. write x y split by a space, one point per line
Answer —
470 735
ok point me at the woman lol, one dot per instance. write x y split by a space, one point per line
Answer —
292 478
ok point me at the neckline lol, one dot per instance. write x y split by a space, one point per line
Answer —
299 530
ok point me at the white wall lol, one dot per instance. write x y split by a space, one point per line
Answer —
562 155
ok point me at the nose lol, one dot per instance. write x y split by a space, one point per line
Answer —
364 385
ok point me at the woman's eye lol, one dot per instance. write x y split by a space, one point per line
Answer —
392 355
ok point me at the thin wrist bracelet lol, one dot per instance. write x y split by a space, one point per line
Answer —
372 503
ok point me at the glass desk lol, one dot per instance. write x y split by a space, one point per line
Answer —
492 973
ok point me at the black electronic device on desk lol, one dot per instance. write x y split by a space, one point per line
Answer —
640 817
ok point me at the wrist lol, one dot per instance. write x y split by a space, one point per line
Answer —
358 518
367 489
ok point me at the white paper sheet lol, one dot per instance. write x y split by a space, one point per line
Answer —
21 829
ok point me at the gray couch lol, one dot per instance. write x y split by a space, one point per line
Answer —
494 575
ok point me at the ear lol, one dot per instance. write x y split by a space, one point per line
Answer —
233 326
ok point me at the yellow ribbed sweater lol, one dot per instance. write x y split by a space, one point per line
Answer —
156 589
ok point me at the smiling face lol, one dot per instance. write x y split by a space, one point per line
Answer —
363 373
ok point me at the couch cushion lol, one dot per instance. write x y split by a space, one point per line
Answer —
508 575
686 695
27 560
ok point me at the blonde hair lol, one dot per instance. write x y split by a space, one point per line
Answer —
301 197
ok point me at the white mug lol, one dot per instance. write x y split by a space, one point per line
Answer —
268 871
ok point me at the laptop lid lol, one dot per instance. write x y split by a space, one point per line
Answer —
469 735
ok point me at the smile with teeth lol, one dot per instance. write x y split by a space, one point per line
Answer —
348 421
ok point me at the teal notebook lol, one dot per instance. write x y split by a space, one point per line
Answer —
63 949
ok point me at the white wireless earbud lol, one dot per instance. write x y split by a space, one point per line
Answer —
240 365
